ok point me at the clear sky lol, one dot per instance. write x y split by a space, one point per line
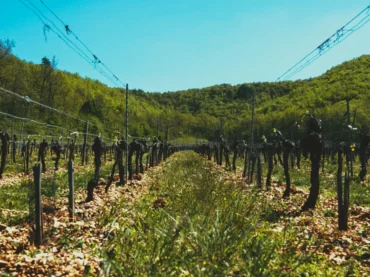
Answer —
167 45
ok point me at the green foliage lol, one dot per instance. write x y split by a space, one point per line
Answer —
6 46
208 227
245 92
17 199
204 113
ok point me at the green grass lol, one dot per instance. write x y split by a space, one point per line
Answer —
359 191
187 140
16 198
208 227
16 168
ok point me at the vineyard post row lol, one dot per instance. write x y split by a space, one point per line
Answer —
312 146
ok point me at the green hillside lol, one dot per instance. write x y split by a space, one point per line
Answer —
278 104
203 113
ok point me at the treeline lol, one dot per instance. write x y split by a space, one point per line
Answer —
204 113
227 109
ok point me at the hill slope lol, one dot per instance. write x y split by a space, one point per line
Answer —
204 113
281 104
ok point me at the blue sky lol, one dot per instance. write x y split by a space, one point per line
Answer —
168 45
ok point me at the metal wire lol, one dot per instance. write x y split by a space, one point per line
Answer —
339 36
69 31
65 39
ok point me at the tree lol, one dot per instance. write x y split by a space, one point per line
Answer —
6 48
245 92
45 77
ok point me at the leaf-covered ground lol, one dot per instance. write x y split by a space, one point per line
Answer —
68 248
190 217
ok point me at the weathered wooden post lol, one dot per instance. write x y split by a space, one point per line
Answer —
127 173
251 146
343 198
22 140
259 169
38 204
84 148
12 156
246 157
71 196
54 189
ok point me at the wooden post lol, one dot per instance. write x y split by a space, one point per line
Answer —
54 188
84 152
246 156
343 198
38 204
348 112
71 197
11 153
127 173
252 125
21 144
251 146
259 169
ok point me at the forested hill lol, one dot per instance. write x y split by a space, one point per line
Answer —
204 113
280 104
